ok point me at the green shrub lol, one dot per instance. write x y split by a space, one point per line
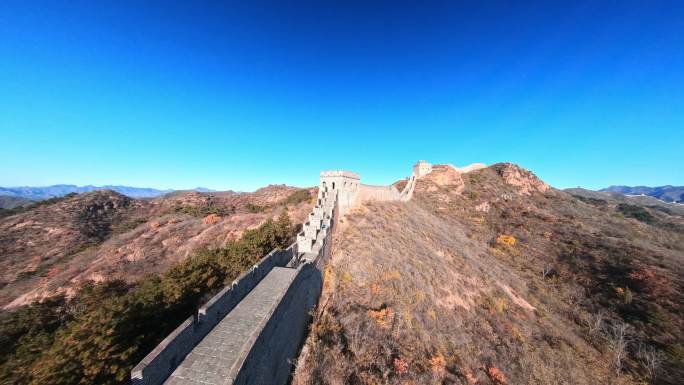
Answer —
203 211
25 274
636 212
107 328
252 208
624 294
297 197
591 201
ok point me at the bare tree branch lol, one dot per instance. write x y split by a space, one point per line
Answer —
594 322
651 359
618 336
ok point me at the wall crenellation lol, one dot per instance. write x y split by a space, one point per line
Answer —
288 281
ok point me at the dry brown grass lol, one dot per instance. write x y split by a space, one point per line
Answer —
423 291
456 293
54 248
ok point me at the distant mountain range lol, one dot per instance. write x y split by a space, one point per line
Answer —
664 193
59 190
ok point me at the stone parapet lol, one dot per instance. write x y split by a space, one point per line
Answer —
164 358
277 295
340 173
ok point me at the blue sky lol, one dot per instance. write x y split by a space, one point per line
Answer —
237 95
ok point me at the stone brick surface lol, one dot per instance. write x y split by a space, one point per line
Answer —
214 359
250 331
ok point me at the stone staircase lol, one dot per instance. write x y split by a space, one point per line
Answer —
228 342
251 330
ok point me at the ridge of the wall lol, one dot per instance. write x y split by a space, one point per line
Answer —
264 358
268 357
160 362
377 193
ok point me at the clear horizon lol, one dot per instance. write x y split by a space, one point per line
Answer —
236 96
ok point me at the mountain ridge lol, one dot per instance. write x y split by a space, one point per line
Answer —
489 277
493 277
60 190
666 193
54 245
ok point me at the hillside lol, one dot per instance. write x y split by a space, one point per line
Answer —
664 193
56 245
11 202
60 190
493 277
614 199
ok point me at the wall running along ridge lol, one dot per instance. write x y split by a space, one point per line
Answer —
163 359
251 330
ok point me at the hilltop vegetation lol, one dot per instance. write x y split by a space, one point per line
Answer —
489 277
614 197
55 245
492 277
98 335
94 281
8 203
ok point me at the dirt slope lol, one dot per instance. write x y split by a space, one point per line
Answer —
493 277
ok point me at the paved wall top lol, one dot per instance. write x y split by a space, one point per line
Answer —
222 345
219 356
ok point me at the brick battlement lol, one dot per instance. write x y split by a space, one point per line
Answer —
250 332
342 173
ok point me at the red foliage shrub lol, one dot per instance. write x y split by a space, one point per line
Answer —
400 366
438 363
211 219
649 280
496 375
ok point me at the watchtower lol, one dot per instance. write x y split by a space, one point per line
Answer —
344 183
421 168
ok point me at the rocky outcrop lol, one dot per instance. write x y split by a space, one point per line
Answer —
517 176
479 285
441 177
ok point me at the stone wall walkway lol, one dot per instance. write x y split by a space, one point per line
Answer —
256 340
221 352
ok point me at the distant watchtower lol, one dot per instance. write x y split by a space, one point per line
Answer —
345 183
421 168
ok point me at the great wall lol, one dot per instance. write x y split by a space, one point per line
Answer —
251 331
